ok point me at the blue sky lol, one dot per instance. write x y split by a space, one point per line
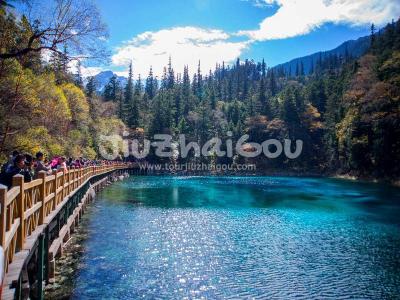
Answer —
148 32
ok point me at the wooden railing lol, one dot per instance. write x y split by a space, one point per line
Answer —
25 206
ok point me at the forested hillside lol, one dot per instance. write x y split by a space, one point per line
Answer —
42 105
350 49
346 110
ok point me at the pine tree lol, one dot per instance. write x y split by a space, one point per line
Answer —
237 79
263 105
91 87
78 75
170 76
151 85
131 110
178 109
186 91
211 91
263 68
138 100
111 89
199 83
373 38
245 80
64 60
182 126
272 83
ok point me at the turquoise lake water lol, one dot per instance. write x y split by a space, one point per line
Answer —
242 238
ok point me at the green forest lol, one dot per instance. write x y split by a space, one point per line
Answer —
346 110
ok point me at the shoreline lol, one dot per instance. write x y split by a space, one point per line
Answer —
274 173
67 266
391 182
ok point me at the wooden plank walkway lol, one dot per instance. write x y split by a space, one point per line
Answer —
28 209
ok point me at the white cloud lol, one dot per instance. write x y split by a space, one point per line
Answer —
296 17
260 3
185 45
91 71
125 74
86 71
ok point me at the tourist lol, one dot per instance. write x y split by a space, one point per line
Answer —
40 164
70 162
78 164
62 164
10 162
81 162
18 167
29 165
54 163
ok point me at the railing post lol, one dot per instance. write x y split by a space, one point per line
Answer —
55 187
77 172
40 267
73 178
69 181
63 192
76 176
18 180
3 214
68 189
42 189
46 247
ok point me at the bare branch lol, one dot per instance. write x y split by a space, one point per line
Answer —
75 24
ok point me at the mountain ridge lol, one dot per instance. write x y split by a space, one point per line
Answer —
354 48
102 78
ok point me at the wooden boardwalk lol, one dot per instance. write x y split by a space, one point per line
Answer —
37 218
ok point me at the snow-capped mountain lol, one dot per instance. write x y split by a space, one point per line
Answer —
104 77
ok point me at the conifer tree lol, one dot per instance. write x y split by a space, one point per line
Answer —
373 38
170 76
91 87
131 113
272 83
263 68
186 91
111 89
151 85
78 75
199 83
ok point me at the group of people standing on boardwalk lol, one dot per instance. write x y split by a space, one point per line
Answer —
29 166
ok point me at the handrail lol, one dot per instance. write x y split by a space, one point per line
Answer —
26 205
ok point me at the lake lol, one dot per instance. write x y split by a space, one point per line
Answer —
160 237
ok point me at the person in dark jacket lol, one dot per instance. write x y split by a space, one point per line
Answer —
18 167
10 162
29 167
